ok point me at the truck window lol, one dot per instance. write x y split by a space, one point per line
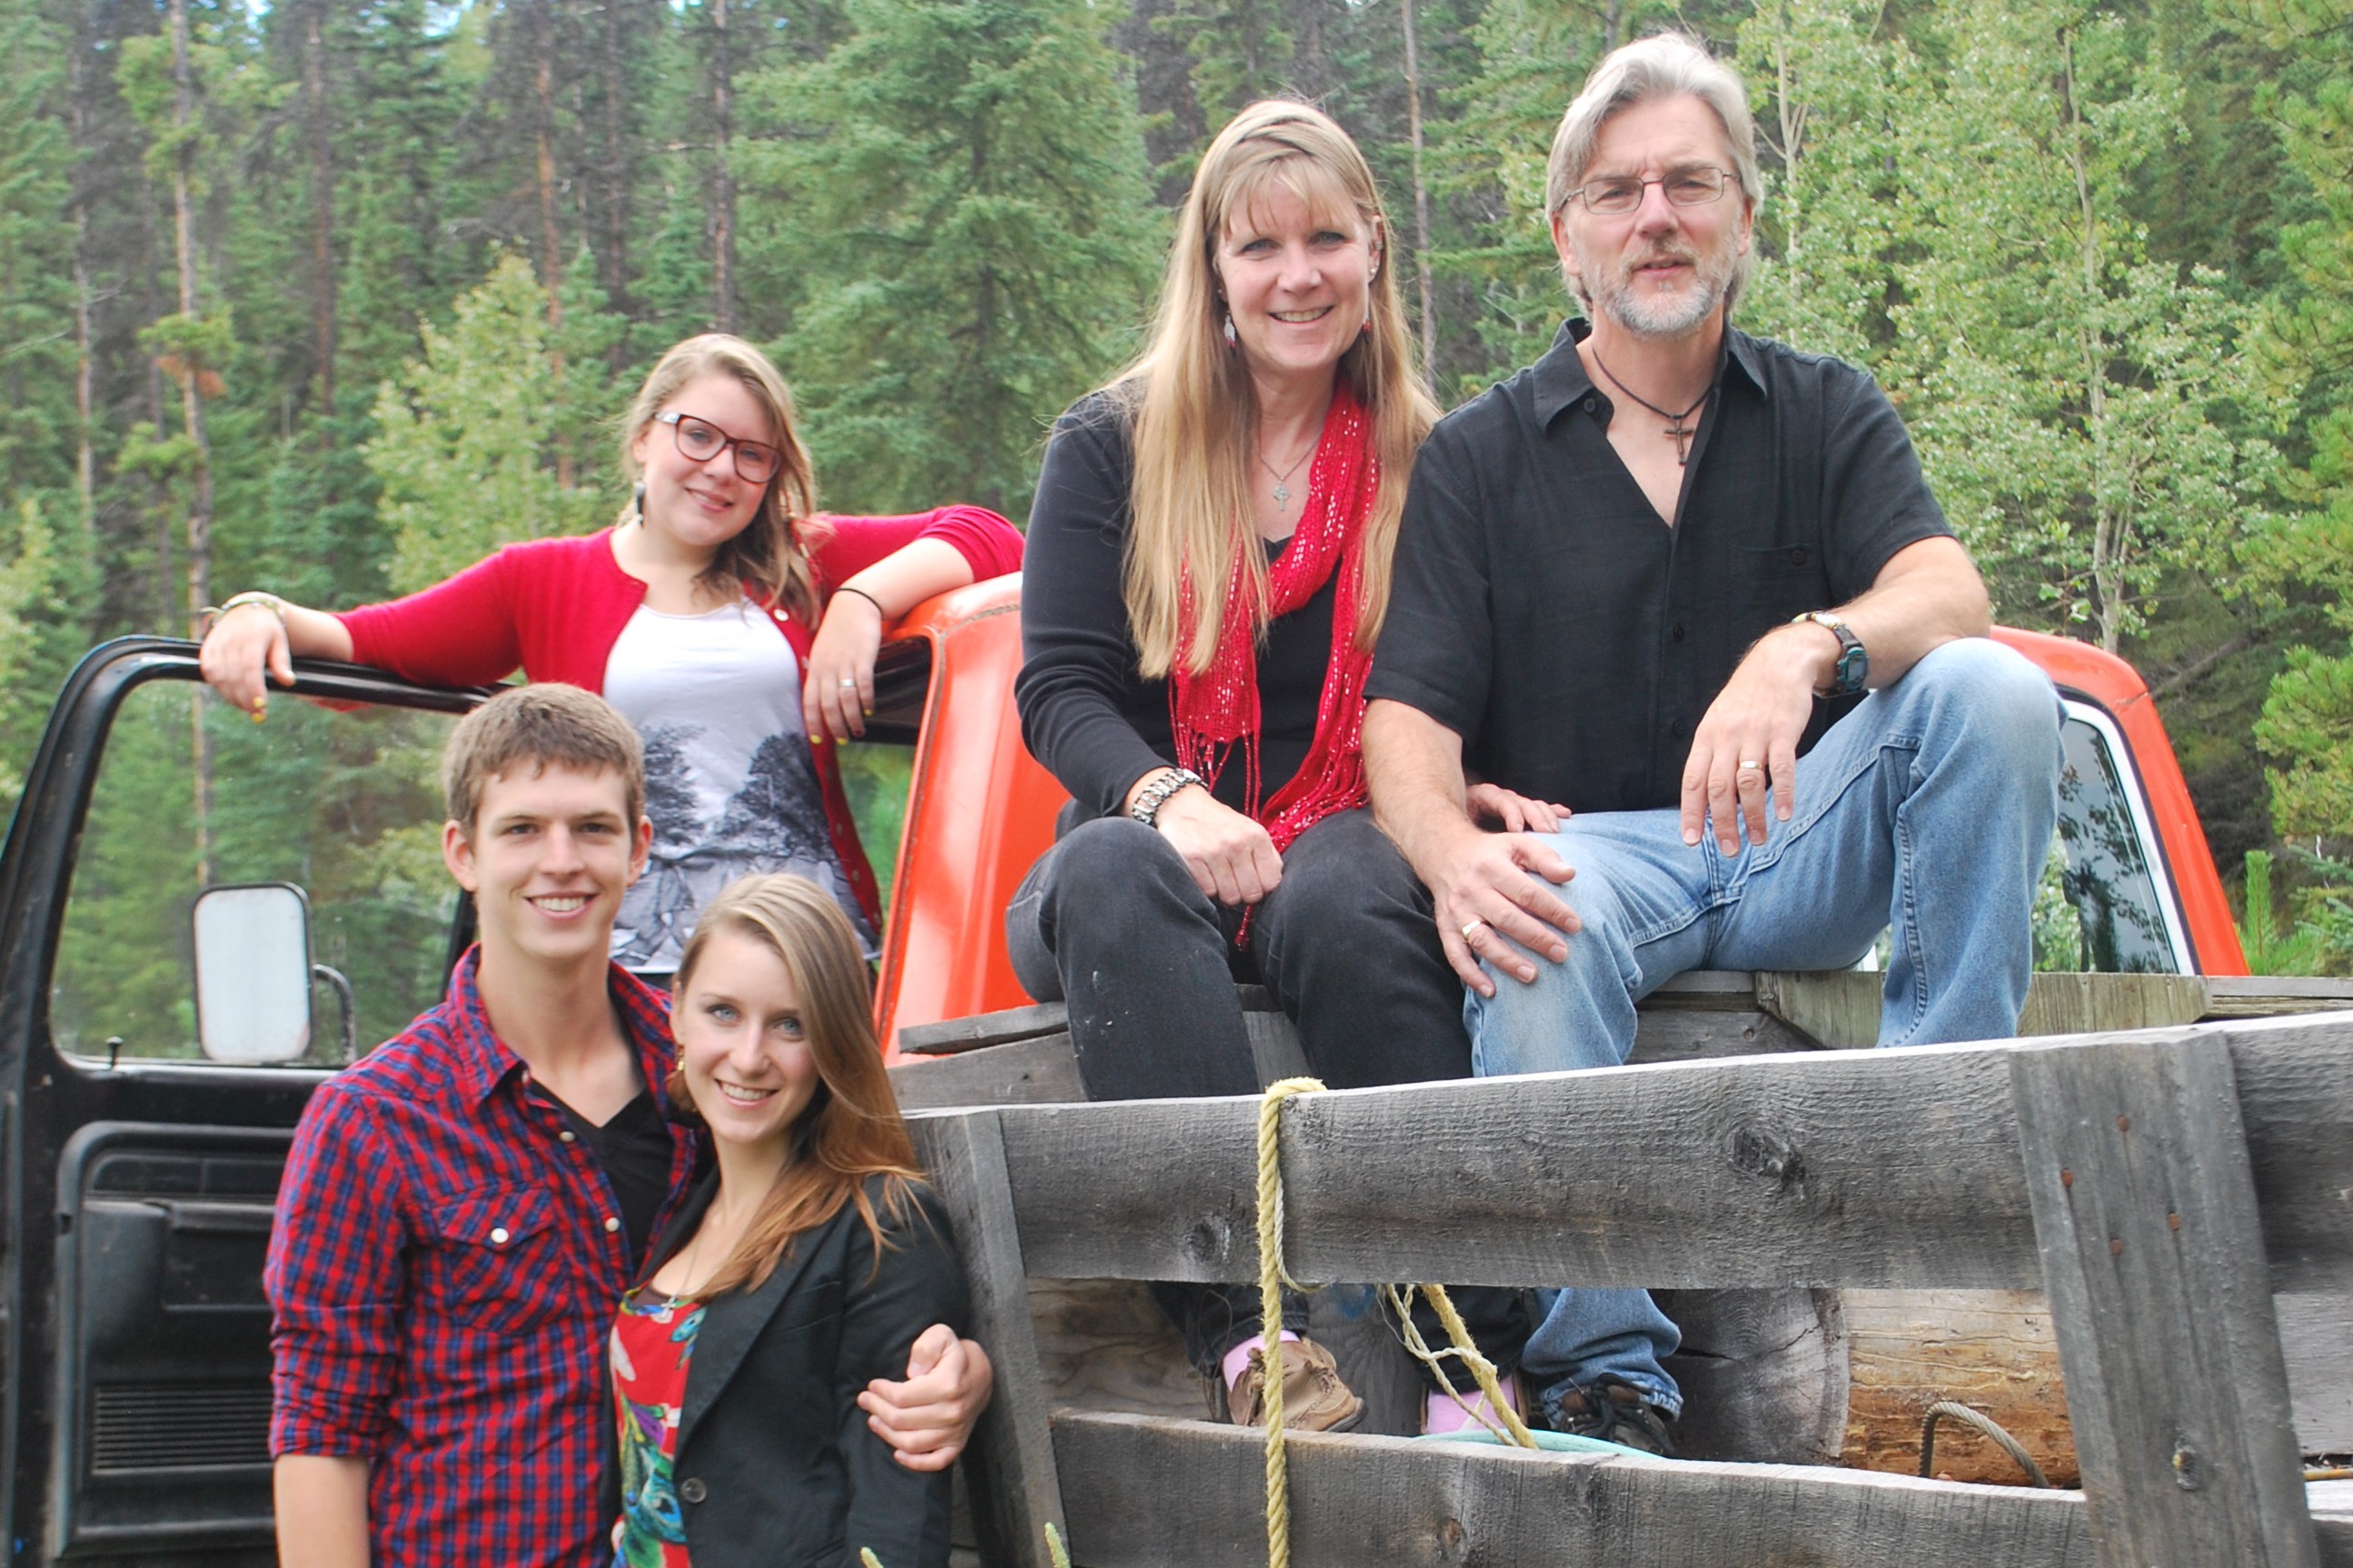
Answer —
345 804
2107 903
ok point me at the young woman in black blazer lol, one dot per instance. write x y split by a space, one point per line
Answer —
804 1265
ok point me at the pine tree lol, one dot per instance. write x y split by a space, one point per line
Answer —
967 201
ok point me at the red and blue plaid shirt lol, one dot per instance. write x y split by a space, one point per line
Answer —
442 1276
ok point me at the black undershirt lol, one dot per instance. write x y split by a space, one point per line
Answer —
634 1148
1095 723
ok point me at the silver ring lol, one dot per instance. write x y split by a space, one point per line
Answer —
848 685
1470 927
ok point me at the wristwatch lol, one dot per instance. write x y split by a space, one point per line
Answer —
1853 666
1154 796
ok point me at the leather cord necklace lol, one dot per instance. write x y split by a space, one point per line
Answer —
1680 432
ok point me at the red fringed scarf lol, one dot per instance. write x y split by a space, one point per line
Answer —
1214 713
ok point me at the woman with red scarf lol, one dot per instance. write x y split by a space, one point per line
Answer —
1206 569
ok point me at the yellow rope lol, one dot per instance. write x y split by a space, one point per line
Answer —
1055 1548
1463 1349
1272 1276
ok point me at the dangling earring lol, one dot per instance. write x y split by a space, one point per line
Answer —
1232 339
638 500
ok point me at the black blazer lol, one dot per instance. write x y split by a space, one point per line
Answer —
775 1466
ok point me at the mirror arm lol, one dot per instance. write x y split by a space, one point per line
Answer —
347 1003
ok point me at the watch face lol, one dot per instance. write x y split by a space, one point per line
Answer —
1853 668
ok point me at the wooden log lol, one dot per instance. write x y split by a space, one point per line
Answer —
1763 1372
1990 1350
951 1036
1016 1492
1837 1168
2145 1202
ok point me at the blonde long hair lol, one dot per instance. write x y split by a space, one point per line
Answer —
851 1128
770 556
1193 406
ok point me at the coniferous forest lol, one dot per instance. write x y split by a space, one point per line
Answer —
333 296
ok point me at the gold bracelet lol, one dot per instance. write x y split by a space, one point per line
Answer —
267 600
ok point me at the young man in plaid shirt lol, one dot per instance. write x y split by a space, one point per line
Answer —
462 1209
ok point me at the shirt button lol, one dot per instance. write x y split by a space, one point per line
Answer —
611 1224
1680 729
1798 557
566 1136
1589 406
498 1237
692 1490
1677 634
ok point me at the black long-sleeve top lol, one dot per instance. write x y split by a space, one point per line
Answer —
1096 724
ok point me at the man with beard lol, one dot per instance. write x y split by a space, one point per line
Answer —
1653 578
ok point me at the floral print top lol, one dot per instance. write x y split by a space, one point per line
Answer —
653 1340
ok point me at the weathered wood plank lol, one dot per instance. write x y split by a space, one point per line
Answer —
1840 1007
1855 1169
2316 1337
1016 1491
950 1036
1990 1350
2274 996
1038 1071
1692 1034
1149 1493
2145 1200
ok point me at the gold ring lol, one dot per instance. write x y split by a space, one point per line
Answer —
1471 926
1750 768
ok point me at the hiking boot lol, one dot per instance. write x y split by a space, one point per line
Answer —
1313 1398
1615 1411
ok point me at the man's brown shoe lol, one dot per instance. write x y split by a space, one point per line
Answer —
1313 1398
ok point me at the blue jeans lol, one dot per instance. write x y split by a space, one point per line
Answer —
1927 811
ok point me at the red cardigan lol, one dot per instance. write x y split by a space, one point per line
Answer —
553 609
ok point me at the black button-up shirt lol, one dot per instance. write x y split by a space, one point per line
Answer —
1543 612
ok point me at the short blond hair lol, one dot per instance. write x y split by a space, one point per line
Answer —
547 726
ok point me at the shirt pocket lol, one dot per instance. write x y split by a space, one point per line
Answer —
1770 585
496 1262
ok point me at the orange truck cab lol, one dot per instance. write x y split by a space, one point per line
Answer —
980 809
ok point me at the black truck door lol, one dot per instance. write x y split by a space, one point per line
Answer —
140 1137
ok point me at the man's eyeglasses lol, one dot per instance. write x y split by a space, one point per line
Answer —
1619 194
699 440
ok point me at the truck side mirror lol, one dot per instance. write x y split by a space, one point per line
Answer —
253 973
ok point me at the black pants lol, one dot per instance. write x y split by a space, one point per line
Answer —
1109 921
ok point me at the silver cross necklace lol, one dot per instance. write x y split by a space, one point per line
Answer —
1283 479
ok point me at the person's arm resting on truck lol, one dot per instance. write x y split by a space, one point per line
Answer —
335 1278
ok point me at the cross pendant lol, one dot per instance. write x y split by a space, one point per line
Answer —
1681 434
1282 494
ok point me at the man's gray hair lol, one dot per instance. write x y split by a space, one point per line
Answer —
1667 65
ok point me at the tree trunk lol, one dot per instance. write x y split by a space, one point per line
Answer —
85 453
722 188
2110 534
192 373
551 272
1420 197
322 216
617 168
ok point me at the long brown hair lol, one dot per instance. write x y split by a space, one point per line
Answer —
770 556
851 1128
1194 406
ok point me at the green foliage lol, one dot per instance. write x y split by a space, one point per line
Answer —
2063 388
466 464
966 186
2271 949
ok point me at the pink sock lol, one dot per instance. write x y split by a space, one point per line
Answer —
1236 1360
1441 1413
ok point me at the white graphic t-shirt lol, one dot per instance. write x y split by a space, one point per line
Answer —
730 784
